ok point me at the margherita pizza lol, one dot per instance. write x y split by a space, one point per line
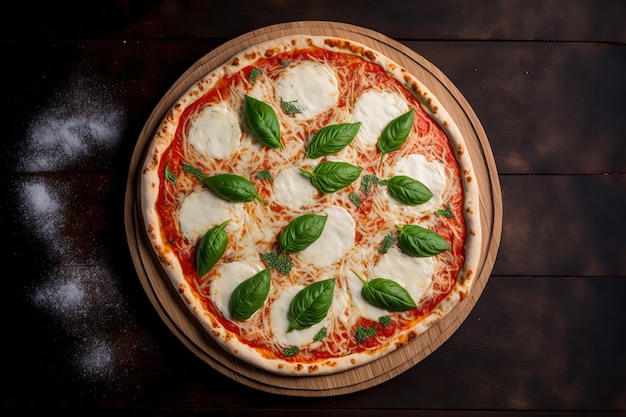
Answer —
314 205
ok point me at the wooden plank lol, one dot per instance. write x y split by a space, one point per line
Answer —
563 225
561 20
547 108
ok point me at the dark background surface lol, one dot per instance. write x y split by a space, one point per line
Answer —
546 80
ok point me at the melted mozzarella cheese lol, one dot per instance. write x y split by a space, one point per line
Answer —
431 174
294 190
336 239
279 320
375 109
363 307
202 210
215 132
279 317
226 278
414 274
311 87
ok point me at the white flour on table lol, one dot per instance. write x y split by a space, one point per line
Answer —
83 297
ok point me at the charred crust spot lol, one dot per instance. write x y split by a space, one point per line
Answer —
354 48
313 369
270 52
299 367
235 62
281 366
407 78
461 150
445 123
333 43
469 210
435 108
250 56
352 361
370 55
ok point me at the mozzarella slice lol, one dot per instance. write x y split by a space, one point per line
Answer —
336 239
279 318
362 306
375 109
414 274
227 277
202 210
431 174
311 87
279 321
293 190
215 132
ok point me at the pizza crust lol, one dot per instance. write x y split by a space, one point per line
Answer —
151 178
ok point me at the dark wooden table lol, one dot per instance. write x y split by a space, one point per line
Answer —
547 80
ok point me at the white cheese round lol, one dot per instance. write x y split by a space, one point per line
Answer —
414 274
362 306
215 132
309 86
226 279
279 321
431 174
375 109
202 210
293 190
336 239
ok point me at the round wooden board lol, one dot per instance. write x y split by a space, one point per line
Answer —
176 315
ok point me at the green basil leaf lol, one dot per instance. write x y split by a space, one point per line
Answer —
250 295
408 190
396 132
290 106
331 176
311 304
211 248
420 242
262 121
387 294
331 139
234 188
301 232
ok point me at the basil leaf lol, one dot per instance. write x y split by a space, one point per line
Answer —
396 132
310 306
420 242
301 232
408 190
262 121
250 295
169 175
290 106
234 188
387 294
331 176
331 139
211 248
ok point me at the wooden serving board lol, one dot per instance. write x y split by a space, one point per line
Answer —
175 314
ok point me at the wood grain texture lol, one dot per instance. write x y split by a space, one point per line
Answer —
561 20
181 322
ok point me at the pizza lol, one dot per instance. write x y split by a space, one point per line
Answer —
313 204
